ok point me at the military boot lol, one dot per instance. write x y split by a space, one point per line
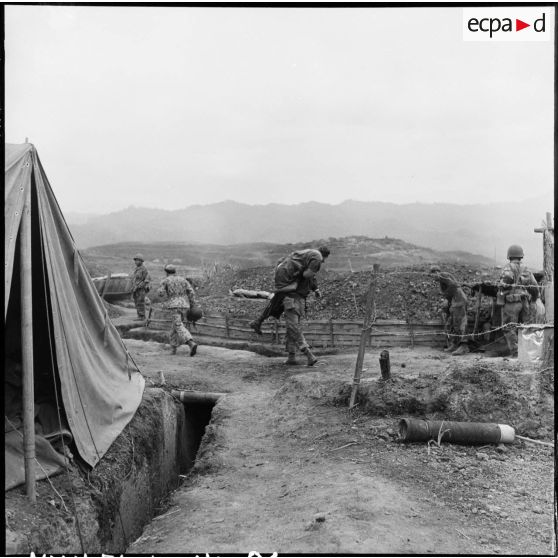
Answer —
291 360
311 359
193 347
256 325
463 349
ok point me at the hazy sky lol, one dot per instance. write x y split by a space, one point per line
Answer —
169 107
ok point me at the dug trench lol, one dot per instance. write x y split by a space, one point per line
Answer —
104 509
283 466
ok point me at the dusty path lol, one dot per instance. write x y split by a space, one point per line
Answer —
272 475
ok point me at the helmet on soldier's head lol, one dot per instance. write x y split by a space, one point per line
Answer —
138 257
324 251
434 269
515 251
170 268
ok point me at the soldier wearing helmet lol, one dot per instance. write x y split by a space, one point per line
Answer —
518 292
178 296
295 279
139 279
454 311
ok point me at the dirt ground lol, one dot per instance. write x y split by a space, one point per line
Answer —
285 466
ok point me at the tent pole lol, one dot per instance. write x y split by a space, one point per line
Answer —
27 350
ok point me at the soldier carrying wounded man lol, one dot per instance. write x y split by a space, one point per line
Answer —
294 280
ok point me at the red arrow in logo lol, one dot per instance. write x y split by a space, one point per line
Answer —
519 25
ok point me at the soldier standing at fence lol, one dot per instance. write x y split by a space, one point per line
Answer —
140 285
294 280
518 289
455 311
178 296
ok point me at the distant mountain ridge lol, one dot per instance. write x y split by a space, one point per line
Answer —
482 229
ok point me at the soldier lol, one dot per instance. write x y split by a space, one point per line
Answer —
294 280
518 288
274 307
140 285
178 295
455 311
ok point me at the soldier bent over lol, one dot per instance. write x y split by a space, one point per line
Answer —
294 280
178 295
456 311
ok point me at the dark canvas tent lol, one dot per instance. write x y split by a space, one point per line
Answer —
81 366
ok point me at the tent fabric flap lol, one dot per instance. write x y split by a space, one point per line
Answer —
16 183
100 391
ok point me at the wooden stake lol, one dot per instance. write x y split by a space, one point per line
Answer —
367 324
28 388
479 299
411 330
548 247
385 367
276 331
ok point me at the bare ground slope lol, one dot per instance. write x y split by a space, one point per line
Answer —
285 467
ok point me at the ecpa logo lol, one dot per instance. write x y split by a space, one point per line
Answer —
508 24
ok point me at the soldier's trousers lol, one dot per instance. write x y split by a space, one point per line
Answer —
458 323
139 301
294 310
178 334
513 312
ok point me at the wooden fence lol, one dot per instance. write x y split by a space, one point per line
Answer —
319 333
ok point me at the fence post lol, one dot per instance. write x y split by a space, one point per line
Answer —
331 334
385 367
276 332
409 323
227 330
369 318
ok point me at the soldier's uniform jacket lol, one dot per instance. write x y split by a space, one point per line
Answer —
451 290
292 267
140 278
518 283
177 292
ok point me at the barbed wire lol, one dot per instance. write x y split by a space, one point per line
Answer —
446 334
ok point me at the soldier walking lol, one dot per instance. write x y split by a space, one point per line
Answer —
140 285
178 296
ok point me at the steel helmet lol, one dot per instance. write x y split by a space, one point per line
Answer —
434 269
138 257
194 314
515 251
170 268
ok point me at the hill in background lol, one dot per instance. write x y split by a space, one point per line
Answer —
355 253
405 286
479 229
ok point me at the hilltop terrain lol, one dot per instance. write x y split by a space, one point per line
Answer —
405 289
348 254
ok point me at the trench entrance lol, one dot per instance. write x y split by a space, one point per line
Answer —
174 456
197 417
